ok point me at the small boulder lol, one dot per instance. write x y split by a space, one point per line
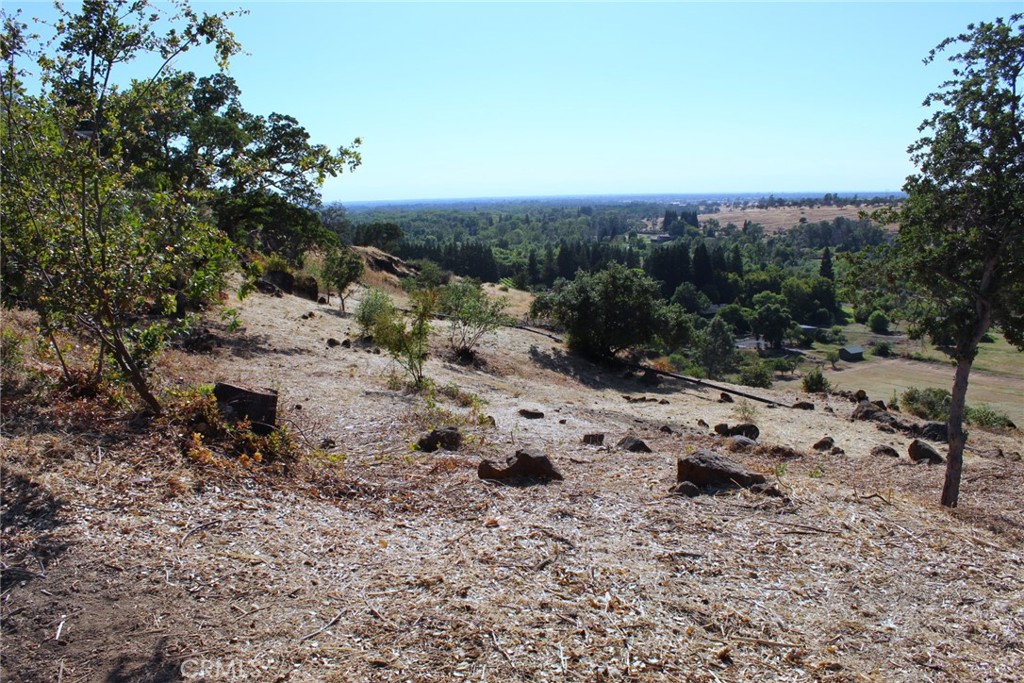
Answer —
531 414
746 429
686 488
281 279
725 398
593 439
523 467
803 405
665 429
933 431
885 450
321 300
702 423
741 443
880 403
332 342
709 470
633 445
861 395
448 438
824 444
836 450
238 403
919 451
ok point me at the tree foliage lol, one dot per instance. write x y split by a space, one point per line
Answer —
471 315
119 195
606 312
88 240
960 248
342 268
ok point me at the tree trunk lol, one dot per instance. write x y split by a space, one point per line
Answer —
135 375
955 427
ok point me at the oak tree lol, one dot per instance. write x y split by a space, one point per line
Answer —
960 247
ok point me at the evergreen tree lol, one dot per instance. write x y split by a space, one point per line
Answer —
825 270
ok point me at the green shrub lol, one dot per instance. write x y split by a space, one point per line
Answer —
471 315
929 403
882 349
933 404
878 322
409 344
12 354
987 416
815 382
757 374
375 305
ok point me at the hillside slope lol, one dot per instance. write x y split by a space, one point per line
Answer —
383 563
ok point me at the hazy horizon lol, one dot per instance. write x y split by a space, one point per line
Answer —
655 197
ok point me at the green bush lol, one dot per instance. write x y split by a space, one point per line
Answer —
882 349
929 403
757 374
11 352
933 404
471 315
409 344
815 382
375 305
987 416
878 322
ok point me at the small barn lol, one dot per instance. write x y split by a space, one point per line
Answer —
851 354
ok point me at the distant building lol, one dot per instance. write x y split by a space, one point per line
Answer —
851 354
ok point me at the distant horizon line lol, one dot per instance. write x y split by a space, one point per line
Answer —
624 196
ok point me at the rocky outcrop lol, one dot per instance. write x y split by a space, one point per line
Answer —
633 445
707 472
522 468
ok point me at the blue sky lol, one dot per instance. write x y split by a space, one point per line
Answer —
526 99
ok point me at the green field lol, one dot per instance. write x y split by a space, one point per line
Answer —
997 378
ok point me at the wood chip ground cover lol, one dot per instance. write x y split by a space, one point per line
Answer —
379 563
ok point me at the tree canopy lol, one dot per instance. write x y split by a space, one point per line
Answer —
960 248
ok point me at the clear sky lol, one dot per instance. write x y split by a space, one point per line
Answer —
525 99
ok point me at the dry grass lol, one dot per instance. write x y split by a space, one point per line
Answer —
375 562
780 219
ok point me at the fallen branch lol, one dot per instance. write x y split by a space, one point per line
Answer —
504 654
326 626
762 641
193 530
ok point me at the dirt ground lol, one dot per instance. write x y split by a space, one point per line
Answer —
123 561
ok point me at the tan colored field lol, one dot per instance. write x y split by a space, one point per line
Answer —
781 218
